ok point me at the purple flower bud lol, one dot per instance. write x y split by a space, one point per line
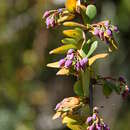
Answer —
116 29
106 24
48 22
108 32
89 120
68 63
121 79
70 56
46 14
83 62
94 116
62 62
52 22
98 127
96 32
77 66
57 106
60 10
105 126
101 34
70 51
92 127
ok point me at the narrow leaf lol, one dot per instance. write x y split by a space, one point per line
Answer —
73 34
66 18
98 56
63 71
69 41
63 49
53 65
74 24
68 120
56 115
92 48
76 127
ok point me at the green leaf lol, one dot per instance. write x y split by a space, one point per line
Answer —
69 41
63 49
91 11
78 88
85 48
92 48
107 88
117 89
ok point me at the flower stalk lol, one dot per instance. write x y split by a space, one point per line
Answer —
79 45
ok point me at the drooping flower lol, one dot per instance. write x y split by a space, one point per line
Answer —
68 63
70 51
67 106
70 56
83 63
94 122
96 32
104 30
55 17
108 32
46 14
62 62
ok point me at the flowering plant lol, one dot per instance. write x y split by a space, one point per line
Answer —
79 45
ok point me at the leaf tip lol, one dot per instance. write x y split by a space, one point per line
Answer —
51 52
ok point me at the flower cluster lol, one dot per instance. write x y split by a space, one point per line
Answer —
94 122
73 60
55 17
104 30
67 107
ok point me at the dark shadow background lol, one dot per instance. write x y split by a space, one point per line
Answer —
29 90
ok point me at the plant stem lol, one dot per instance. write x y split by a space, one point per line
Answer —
91 97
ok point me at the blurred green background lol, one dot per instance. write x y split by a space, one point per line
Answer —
29 90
